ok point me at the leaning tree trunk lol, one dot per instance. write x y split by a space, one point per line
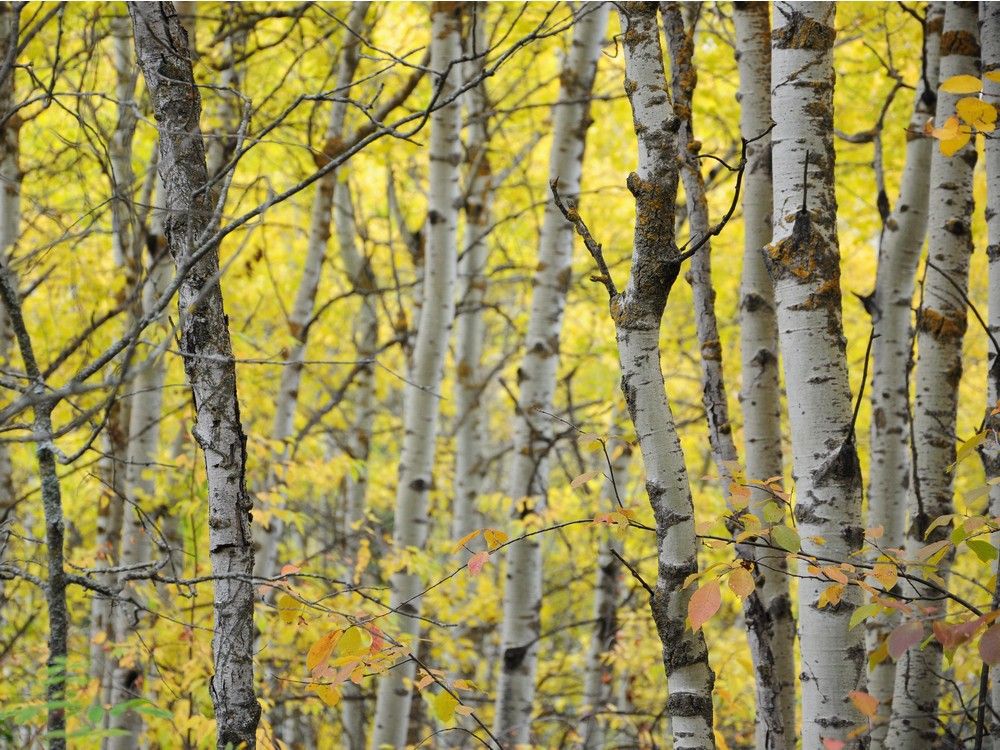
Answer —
760 396
941 324
989 32
900 244
637 313
528 484
775 707
300 318
422 402
804 263
162 52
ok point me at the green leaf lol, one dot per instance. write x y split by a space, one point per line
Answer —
863 613
786 537
772 512
985 551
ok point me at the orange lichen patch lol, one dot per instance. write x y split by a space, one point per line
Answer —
787 256
959 43
946 324
712 351
825 294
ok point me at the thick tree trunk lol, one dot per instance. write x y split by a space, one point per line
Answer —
422 401
804 263
760 396
637 313
899 254
989 32
941 324
528 483
162 53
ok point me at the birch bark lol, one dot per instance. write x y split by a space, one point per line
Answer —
163 56
299 320
528 484
470 326
898 256
422 403
637 313
941 324
760 395
989 28
775 708
804 264
598 685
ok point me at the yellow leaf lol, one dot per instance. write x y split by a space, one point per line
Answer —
364 557
288 608
590 443
962 84
886 574
354 642
322 649
830 595
328 694
967 448
466 539
741 582
952 146
494 538
993 75
444 705
977 113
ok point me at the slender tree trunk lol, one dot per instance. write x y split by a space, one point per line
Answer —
208 361
760 396
422 402
637 313
989 32
899 254
470 325
299 320
804 263
598 674
773 708
528 484
941 324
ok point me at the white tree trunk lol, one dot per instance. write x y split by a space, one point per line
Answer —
422 400
528 483
804 263
598 685
470 326
899 254
208 362
305 299
637 313
989 32
760 396
941 324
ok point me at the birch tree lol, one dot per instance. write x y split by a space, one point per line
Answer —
900 243
804 263
941 324
989 31
422 401
760 395
528 483
637 313
208 360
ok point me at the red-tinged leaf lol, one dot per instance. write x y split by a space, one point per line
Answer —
288 570
928 551
865 703
704 603
477 561
904 637
829 743
989 646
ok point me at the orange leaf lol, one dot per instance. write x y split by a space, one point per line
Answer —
494 538
477 561
865 703
322 649
466 539
704 603
741 582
